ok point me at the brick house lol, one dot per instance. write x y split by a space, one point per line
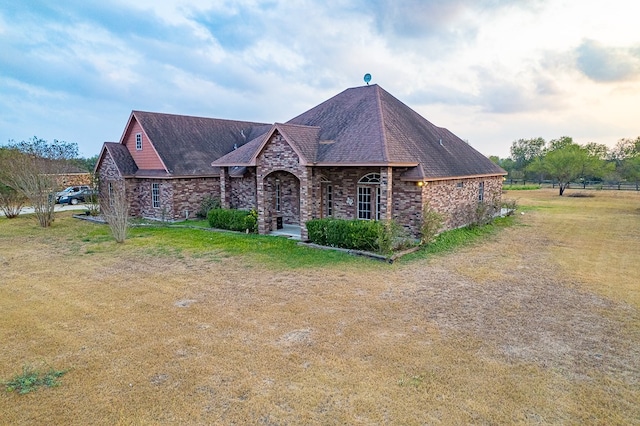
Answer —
361 154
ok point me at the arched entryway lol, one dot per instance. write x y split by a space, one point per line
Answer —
281 200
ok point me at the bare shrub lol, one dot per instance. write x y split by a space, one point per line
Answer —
485 212
510 205
115 209
30 168
11 202
392 237
206 205
432 222
581 195
92 200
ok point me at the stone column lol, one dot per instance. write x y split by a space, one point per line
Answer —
386 193
260 201
306 200
225 188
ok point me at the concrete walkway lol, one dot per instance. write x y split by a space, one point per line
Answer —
289 231
57 208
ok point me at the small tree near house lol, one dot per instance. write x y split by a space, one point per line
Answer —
11 202
432 223
30 168
115 209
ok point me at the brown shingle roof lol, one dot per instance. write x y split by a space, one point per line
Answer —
367 125
187 145
122 157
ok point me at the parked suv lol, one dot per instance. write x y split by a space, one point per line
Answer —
78 197
70 190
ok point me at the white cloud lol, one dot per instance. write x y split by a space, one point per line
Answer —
490 70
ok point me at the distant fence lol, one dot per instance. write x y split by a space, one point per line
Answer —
587 184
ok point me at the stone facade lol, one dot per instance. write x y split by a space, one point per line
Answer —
243 191
279 161
73 179
179 198
306 192
407 203
344 183
457 199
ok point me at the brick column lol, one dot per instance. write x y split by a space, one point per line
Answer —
225 188
306 200
260 201
386 193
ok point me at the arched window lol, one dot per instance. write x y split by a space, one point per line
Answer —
371 178
369 197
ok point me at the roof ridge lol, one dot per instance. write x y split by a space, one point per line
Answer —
383 131
297 125
229 120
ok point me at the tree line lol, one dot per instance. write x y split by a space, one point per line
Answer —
564 161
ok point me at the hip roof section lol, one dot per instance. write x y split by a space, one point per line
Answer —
368 126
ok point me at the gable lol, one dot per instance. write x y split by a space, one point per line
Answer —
145 158
278 154
187 145
116 161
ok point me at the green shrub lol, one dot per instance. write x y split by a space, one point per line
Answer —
350 234
251 221
317 231
233 219
520 187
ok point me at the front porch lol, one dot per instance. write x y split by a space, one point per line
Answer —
289 231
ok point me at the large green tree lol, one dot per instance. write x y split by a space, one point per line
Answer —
524 151
570 161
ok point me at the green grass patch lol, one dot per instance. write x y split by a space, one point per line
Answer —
449 241
520 187
30 379
270 250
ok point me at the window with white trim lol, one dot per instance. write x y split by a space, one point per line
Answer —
369 197
110 193
138 141
329 200
278 195
155 195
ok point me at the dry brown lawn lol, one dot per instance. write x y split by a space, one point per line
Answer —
537 324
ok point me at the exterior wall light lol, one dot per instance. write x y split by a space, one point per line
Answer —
420 183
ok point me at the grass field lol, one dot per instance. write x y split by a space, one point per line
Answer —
537 322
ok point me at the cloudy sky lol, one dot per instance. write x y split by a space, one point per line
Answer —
491 71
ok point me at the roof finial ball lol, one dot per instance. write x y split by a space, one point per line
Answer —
367 78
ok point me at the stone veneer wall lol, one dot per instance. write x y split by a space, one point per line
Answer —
407 203
289 196
141 203
177 197
73 179
458 203
278 156
188 194
344 182
109 173
243 191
